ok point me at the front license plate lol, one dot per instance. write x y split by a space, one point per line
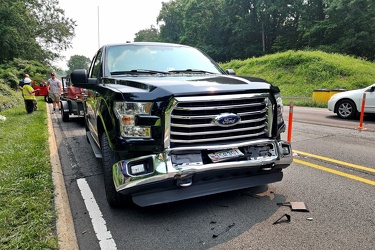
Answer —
225 154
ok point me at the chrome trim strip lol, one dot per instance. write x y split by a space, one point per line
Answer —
270 116
220 97
207 125
218 139
218 131
222 146
221 107
213 116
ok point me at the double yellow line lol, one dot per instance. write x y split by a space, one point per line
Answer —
350 176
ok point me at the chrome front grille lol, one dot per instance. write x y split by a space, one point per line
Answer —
191 119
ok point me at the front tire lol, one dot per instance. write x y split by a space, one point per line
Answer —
346 109
109 158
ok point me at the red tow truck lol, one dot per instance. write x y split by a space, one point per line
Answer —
40 87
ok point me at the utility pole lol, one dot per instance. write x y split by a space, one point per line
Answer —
263 38
98 29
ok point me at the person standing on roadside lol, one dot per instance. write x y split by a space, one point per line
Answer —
28 94
54 88
22 81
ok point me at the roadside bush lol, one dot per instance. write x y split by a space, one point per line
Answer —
8 97
10 79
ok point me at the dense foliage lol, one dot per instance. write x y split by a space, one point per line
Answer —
13 71
78 62
149 35
240 29
33 30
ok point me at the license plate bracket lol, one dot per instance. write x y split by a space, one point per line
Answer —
225 154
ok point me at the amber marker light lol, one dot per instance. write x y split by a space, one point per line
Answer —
126 120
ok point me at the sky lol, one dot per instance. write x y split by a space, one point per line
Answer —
119 20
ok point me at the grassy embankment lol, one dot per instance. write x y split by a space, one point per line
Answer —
298 74
27 215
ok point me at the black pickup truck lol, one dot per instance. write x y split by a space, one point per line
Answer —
169 124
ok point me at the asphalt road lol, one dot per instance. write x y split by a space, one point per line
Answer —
322 116
337 189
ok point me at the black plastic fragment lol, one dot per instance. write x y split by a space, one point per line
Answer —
225 230
282 220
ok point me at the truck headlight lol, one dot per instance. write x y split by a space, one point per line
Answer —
279 103
125 113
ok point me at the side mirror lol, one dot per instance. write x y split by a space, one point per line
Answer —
370 89
78 76
230 72
79 79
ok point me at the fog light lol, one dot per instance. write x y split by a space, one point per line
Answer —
138 166
286 150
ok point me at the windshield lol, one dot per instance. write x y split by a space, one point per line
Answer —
163 59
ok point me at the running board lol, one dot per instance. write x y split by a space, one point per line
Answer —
95 148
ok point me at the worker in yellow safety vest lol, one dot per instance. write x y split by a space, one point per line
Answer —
29 93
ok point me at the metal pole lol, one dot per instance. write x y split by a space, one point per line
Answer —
98 29
290 121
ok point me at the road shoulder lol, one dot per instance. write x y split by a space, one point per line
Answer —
64 223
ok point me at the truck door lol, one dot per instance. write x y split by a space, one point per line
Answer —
92 103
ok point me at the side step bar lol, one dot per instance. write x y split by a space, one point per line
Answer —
95 148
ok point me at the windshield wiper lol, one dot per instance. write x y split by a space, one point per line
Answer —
190 71
138 71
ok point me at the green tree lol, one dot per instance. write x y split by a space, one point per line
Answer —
196 23
17 32
147 35
311 26
350 27
170 19
54 31
78 62
245 38
204 27
239 29
33 30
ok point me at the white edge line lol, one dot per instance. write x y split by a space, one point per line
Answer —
102 233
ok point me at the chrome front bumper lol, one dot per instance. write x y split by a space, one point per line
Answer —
157 168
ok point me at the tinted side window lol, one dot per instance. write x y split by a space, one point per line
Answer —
96 69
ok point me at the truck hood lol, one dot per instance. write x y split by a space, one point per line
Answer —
162 86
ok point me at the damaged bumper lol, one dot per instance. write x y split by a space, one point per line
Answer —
182 173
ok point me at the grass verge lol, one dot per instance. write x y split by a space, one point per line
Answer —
299 73
27 215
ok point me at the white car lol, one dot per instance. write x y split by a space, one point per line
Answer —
349 103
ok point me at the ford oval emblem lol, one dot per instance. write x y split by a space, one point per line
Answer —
226 120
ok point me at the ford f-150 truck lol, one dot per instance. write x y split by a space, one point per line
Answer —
169 124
